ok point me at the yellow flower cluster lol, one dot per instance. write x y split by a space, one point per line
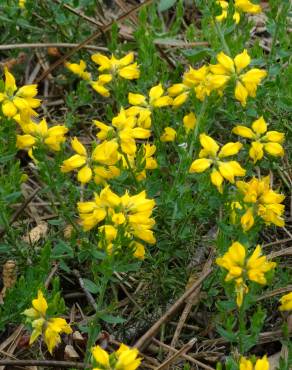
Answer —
19 104
124 130
116 149
129 214
262 139
101 163
125 358
110 68
241 269
241 6
50 328
260 364
260 200
215 77
143 107
211 156
35 134
16 100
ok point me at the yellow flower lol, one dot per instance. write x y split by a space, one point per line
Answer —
211 156
169 134
139 250
224 8
79 69
240 289
180 99
109 231
146 162
261 200
124 67
21 3
286 302
263 140
133 212
16 100
261 364
199 80
50 328
39 307
189 121
54 327
138 210
35 133
247 220
239 268
100 83
244 6
143 106
247 6
127 358
257 266
227 68
104 156
100 356
124 131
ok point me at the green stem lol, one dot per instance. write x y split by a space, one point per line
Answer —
196 130
104 284
131 170
222 37
242 329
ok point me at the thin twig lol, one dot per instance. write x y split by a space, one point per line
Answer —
186 357
51 45
177 354
45 363
275 292
282 241
89 297
283 252
183 317
51 275
78 13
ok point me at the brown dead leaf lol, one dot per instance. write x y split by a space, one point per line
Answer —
54 52
68 231
274 360
77 337
35 234
9 277
70 353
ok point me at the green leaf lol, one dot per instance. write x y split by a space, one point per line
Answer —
228 335
90 286
62 250
111 319
165 4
